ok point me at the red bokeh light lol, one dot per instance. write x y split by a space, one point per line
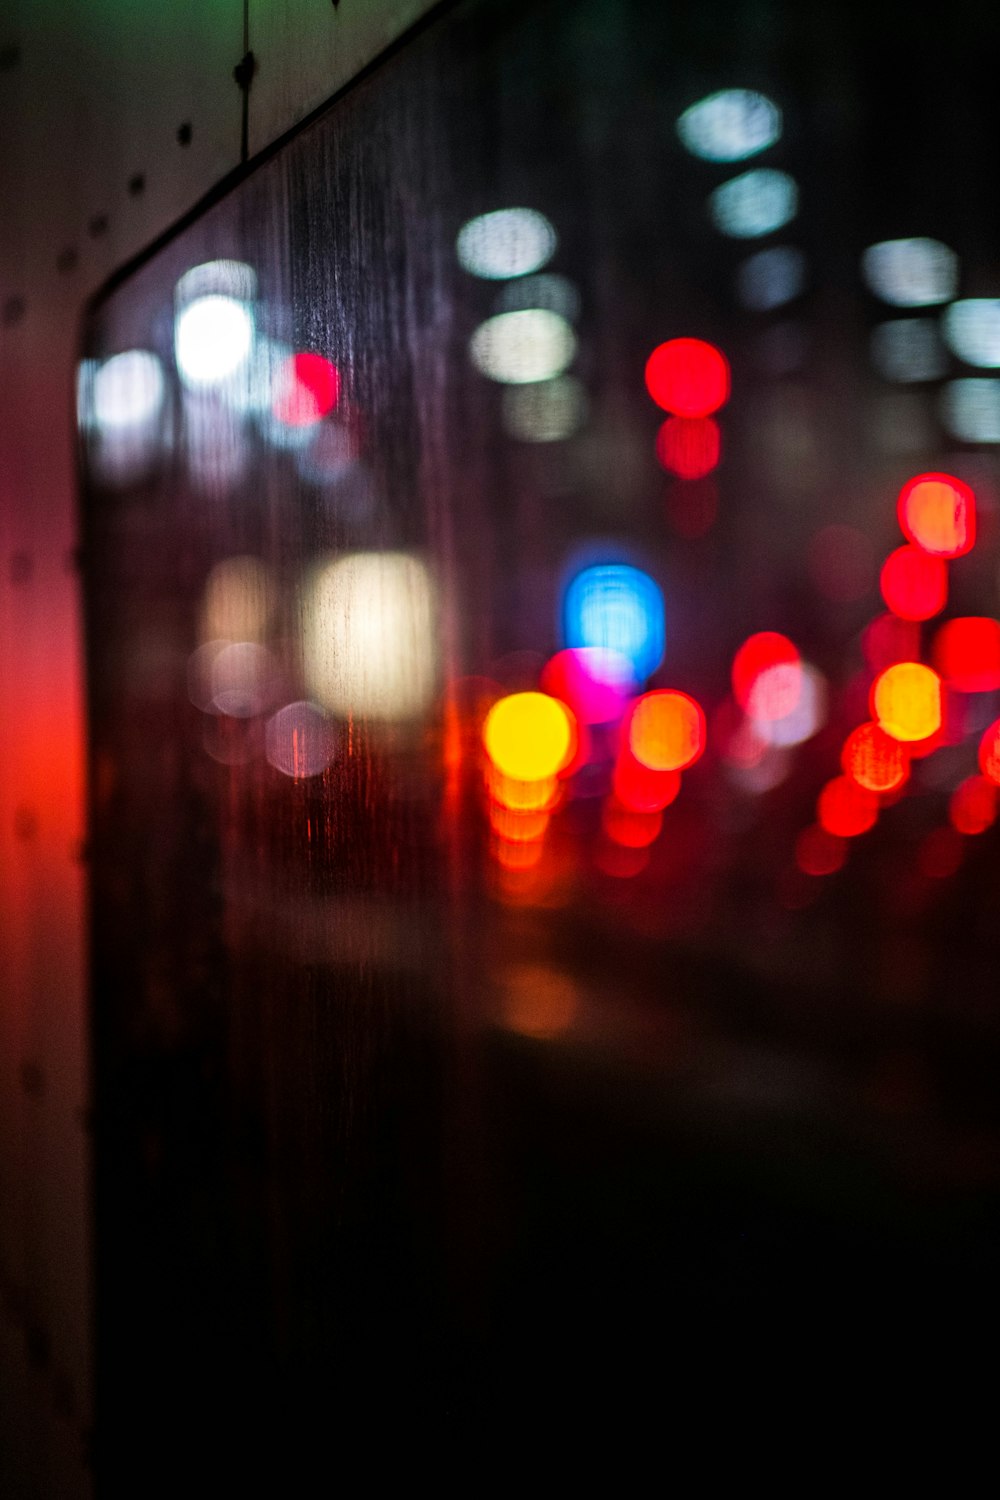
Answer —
938 513
760 654
688 377
874 760
914 584
989 753
973 805
846 809
307 387
689 446
629 829
641 789
966 652
818 852
594 682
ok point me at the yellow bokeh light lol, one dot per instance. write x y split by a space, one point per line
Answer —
906 701
529 736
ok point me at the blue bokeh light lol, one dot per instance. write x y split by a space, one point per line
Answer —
616 607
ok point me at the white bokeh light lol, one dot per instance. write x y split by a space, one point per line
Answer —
755 203
550 291
546 411
911 273
507 242
807 716
970 410
369 641
972 331
213 339
771 278
730 125
127 390
516 348
222 278
908 350
300 740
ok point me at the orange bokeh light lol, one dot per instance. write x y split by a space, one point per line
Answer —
906 701
846 809
874 759
517 854
989 753
666 730
973 805
517 827
818 852
629 829
914 584
522 796
938 513
966 652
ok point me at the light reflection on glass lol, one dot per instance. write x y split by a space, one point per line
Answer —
730 125
755 203
507 242
911 273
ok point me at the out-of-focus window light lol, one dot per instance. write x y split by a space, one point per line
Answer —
938 513
300 740
530 736
616 607
808 713
549 290
306 389
689 446
755 203
667 730
911 273
238 601
544 411
874 759
908 350
914 584
970 410
771 278
213 339
966 653
369 640
906 701
595 683
219 278
127 391
730 125
518 347
972 331
507 242
688 377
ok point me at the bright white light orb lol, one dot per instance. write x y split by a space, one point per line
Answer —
369 640
127 391
807 716
730 125
911 273
223 278
771 278
970 410
300 740
972 331
908 350
213 337
755 203
516 348
546 411
508 242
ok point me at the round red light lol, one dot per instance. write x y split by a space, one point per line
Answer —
689 446
688 377
307 387
973 805
966 653
759 655
846 809
914 584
